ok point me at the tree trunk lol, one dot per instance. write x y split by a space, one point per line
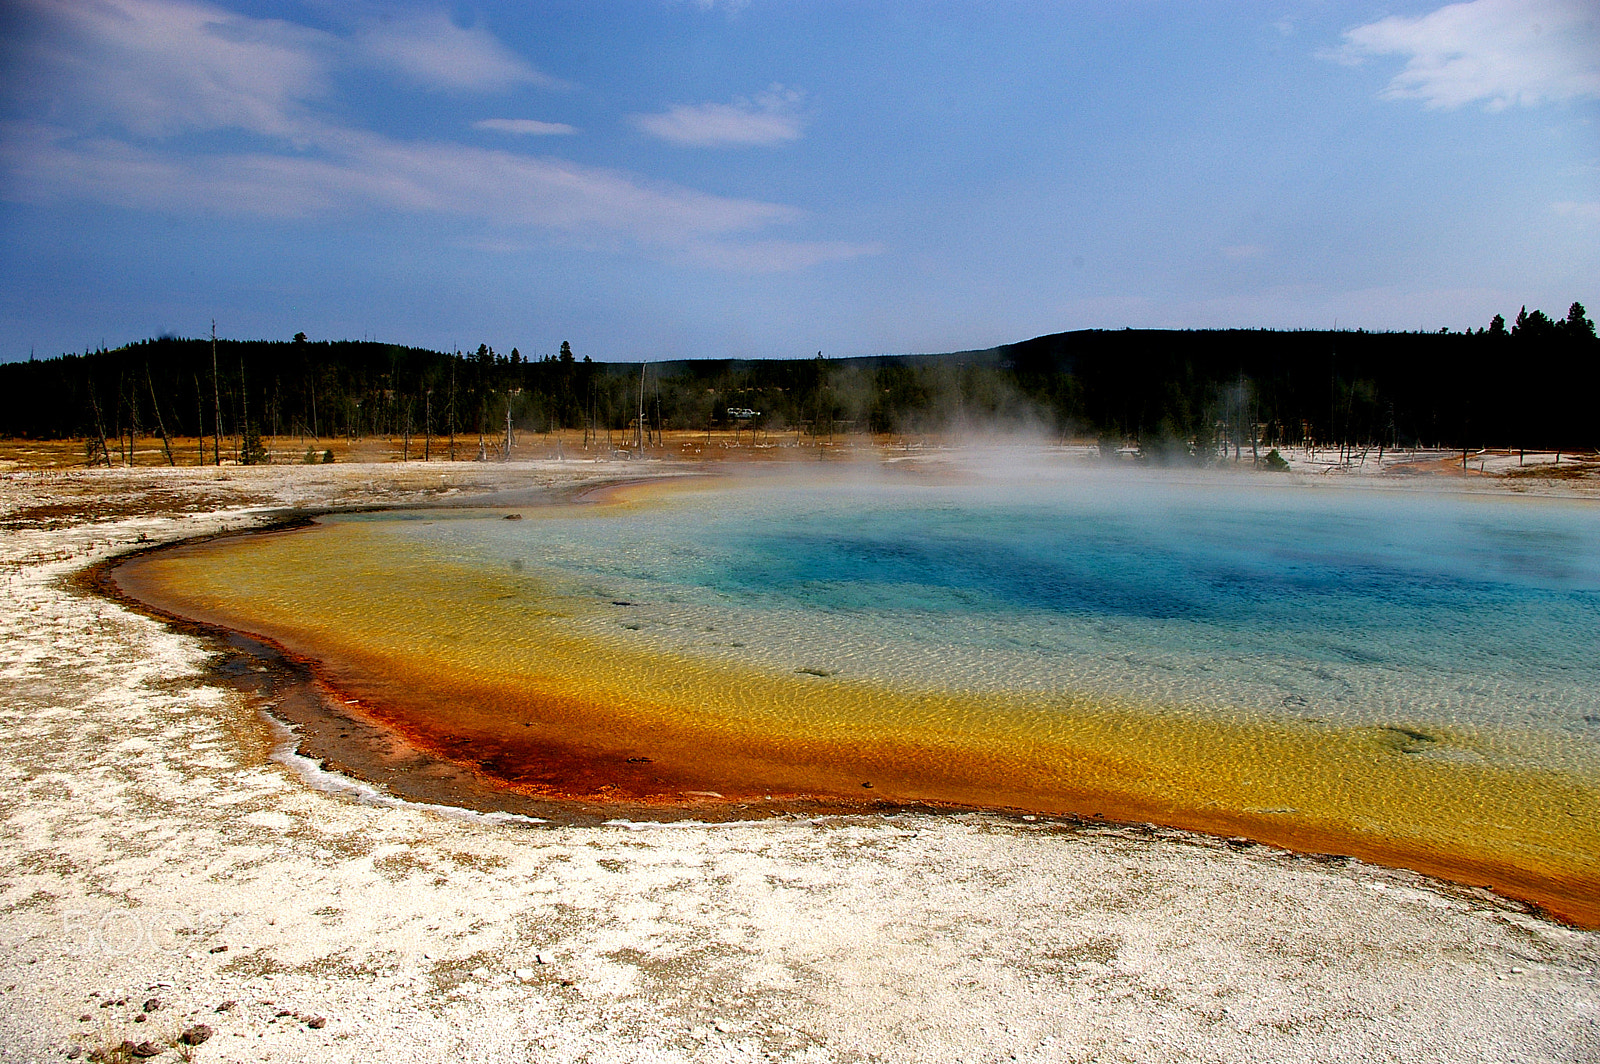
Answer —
216 395
166 443
100 428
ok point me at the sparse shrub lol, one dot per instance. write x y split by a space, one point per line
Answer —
1275 461
255 451
121 1053
327 456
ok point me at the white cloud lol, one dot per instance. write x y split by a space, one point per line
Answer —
527 127
433 50
1588 211
160 67
771 118
1500 52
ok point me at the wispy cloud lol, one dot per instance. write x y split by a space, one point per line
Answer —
433 51
353 172
774 117
159 67
1238 252
774 256
1502 53
1588 211
127 77
732 7
526 127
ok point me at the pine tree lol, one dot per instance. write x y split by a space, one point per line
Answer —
1576 325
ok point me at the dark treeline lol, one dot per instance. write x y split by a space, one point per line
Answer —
1533 384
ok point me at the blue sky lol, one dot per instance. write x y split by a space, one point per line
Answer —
770 178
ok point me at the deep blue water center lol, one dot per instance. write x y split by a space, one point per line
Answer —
1362 575
1319 600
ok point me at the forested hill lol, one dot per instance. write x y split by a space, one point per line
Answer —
1533 385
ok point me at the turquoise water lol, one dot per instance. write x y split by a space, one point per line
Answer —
1230 595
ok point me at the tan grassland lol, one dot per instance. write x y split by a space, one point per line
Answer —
159 842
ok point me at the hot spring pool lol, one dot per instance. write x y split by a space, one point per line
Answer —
1409 676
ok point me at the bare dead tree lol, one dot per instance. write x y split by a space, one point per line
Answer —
199 419
245 455
166 441
100 428
405 429
216 395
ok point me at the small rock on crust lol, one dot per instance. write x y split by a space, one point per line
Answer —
316 1023
153 1005
147 1049
195 1035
